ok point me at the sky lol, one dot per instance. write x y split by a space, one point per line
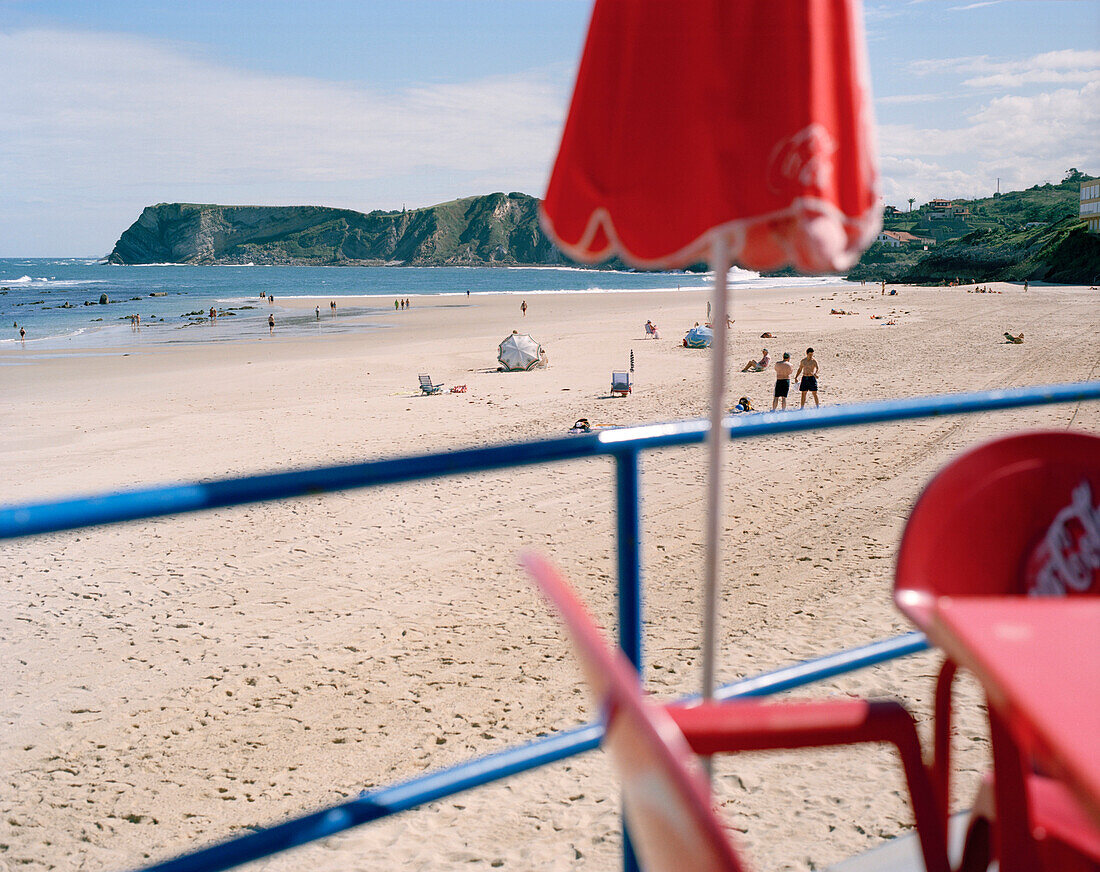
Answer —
113 105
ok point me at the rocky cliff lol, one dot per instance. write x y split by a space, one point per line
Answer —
1033 234
474 231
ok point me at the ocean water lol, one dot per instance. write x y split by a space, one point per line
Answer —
57 301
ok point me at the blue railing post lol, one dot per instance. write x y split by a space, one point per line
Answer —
629 526
629 530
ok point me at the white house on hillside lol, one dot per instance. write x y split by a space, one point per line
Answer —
898 238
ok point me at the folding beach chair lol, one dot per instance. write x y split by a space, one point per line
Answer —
620 384
665 798
985 526
427 387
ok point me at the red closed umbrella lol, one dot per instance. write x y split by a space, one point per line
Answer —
718 130
747 121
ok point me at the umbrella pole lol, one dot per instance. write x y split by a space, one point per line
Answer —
720 262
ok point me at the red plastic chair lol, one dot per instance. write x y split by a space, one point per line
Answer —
1000 520
665 796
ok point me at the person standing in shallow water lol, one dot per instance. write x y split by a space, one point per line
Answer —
270 325
807 369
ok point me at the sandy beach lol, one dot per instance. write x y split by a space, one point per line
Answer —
174 682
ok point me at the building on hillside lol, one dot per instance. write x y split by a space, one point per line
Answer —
1090 205
937 209
898 238
960 211
890 210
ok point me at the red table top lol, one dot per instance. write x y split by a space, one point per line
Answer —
1039 661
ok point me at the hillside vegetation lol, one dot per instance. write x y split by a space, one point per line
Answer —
992 241
492 229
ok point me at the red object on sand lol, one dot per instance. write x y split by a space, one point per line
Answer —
665 797
1000 566
702 119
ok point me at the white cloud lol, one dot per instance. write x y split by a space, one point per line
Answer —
99 115
904 99
970 6
1024 134
1068 66
1021 139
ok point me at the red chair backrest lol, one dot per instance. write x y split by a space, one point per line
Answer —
1020 515
665 798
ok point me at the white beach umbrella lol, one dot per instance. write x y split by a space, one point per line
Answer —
519 352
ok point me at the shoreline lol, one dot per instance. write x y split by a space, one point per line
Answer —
366 312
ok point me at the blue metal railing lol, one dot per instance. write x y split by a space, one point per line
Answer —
624 445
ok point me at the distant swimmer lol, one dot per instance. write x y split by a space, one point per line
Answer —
807 369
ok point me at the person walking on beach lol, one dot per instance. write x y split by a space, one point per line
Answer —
1025 286
783 370
23 336
807 369
523 308
317 312
271 326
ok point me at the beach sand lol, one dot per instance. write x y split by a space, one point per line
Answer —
173 682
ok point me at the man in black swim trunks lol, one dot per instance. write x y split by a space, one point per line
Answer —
807 369
782 380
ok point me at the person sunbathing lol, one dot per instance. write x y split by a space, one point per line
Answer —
651 330
758 365
1015 340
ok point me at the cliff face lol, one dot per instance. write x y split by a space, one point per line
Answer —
1031 234
475 231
